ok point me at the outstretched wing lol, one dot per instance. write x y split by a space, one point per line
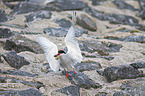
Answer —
50 50
72 45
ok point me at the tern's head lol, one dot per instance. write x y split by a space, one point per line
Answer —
59 53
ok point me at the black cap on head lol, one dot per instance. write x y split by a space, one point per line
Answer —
61 51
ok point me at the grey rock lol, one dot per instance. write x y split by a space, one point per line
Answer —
101 47
27 92
70 4
63 23
113 18
119 94
142 7
87 66
29 83
121 72
15 60
84 47
97 2
134 87
56 5
140 27
138 65
86 22
61 31
5 17
20 43
58 32
70 90
39 15
25 7
99 56
123 5
3 80
81 80
5 33
133 38
21 73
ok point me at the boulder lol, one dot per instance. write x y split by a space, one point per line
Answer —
86 22
121 72
81 80
27 92
20 43
87 66
5 33
39 15
15 60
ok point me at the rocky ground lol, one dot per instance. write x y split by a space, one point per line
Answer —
111 35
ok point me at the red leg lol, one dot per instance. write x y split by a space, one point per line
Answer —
66 74
74 71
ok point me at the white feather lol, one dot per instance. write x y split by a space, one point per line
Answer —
50 49
72 45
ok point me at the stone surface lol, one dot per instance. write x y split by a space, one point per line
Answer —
84 47
86 22
21 73
142 7
70 90
28 92
70 4
121 72
101 47
5 17
82 80
97 2
29 83
25 7
87 66
133 38
15 60
138 65
118 94
123 5
60 31
99 56
39 15
5 33
113 18
63 23
134 87
20 43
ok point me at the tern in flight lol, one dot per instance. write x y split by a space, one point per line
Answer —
57 58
